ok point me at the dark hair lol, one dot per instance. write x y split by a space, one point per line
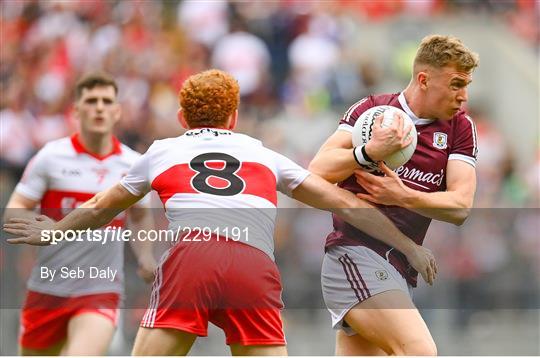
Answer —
92 80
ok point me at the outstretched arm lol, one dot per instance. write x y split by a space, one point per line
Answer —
318 193
96 212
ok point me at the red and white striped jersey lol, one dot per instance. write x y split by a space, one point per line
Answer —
62 176
214 178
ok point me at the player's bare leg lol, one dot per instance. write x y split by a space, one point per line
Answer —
356 346
53 350
162 342
88 334
240 350
398 331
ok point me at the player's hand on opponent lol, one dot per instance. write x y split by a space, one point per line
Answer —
29 231
147 268
423 261
387 190
387 140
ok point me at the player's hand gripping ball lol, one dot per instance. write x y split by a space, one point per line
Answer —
364 126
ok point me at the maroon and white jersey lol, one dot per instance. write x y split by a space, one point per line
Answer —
438 142
62 176
217 179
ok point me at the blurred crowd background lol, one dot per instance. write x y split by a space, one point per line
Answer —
300 65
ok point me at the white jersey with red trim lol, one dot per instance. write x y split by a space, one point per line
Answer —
217 180
62 176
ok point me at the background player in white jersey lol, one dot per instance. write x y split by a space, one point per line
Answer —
213 178
77 315
374 311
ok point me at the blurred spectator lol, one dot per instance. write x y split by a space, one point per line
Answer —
16 123
243 55
490 162
204 21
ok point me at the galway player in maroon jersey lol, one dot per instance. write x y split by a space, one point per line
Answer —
366 283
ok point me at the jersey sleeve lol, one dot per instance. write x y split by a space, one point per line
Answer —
351 116
137 180
289 174
34 181
465 141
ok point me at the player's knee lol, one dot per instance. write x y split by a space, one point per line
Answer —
424 347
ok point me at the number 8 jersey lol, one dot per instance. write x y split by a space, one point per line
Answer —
217 180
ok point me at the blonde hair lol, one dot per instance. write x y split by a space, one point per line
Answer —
209 98
440 51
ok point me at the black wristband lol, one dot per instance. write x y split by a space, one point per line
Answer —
355 157
358 153
366 156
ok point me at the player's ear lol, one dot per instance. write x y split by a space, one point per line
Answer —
75 110
422 79
117 112
233 120
181 119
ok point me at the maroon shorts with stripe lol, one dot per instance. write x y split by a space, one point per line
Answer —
352 274
230 284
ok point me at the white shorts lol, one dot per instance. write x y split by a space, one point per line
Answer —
352 274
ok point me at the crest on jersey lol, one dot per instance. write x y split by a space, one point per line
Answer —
440 140
101 173
382 275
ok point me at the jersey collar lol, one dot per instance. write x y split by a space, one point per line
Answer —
79 147
407 109
207 130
